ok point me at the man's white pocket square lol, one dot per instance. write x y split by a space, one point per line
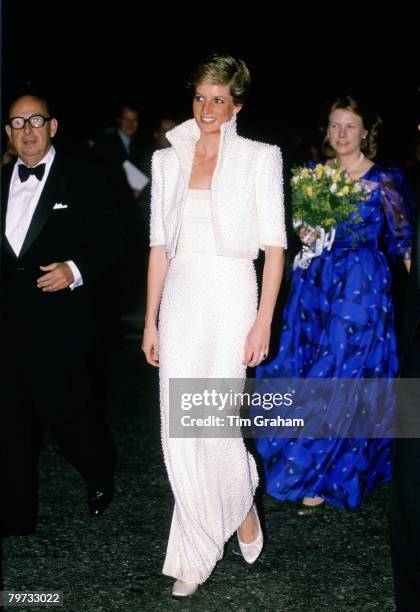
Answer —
59 206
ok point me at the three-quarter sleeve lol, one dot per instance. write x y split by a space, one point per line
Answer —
157 235
270 199
399 208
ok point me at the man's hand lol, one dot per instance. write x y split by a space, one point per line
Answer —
59 276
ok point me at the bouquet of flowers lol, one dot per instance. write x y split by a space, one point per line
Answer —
322 197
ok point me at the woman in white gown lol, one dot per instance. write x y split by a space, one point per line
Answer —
216 199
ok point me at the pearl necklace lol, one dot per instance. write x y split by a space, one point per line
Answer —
354 166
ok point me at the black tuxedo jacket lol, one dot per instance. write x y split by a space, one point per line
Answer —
111 153
110 149
83 228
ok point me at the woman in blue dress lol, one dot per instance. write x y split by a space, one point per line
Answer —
338 322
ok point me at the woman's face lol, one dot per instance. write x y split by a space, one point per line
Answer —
345 131
212 106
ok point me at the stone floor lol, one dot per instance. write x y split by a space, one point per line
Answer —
336 561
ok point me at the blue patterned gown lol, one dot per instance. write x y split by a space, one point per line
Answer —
338 322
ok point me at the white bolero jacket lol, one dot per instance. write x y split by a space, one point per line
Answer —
246 192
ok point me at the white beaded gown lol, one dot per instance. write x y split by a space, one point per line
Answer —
208 306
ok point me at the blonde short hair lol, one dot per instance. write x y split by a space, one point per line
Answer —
223 70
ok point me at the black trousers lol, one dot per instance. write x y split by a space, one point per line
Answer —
61 390
405 504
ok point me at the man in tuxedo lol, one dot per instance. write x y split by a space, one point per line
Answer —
59 235
125 143
119 144
405 496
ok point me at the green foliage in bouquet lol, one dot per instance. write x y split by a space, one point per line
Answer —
324 195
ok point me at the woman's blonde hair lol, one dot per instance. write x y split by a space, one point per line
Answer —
223 70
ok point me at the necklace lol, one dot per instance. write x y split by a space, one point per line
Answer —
354 166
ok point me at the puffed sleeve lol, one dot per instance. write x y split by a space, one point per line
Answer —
270 199
399 208
157 235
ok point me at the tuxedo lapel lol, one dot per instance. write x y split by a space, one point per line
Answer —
53 188
6 177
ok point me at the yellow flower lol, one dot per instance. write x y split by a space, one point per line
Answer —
322 195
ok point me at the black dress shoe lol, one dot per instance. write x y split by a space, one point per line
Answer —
99 499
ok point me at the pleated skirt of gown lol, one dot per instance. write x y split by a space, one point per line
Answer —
208 306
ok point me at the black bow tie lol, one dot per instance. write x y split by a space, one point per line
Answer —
25 172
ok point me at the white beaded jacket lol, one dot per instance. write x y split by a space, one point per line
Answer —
246 192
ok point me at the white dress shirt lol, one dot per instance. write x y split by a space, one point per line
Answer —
22 203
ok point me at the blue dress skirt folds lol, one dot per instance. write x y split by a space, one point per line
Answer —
338 322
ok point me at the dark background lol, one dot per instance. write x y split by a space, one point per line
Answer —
88 56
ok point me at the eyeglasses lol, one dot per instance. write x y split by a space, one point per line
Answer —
35 121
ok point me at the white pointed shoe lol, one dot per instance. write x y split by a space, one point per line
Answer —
184 589
252 551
